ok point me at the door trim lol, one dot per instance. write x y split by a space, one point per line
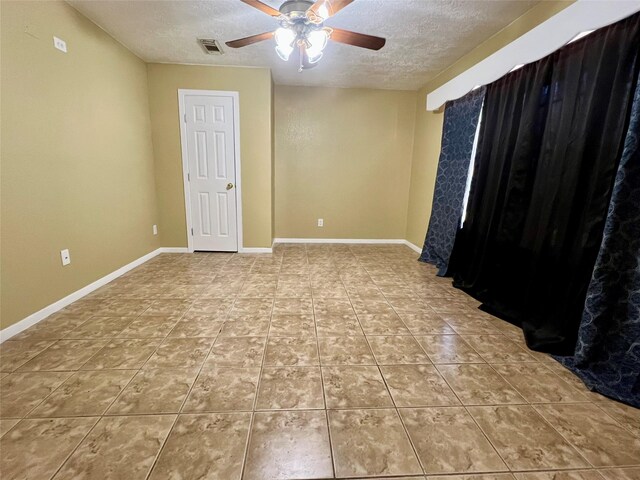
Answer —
235 97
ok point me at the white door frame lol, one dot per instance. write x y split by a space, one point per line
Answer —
235 97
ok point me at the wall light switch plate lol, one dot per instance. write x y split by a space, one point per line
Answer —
60 44
155 229
65 256
321 222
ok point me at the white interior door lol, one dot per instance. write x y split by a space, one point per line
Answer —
209 132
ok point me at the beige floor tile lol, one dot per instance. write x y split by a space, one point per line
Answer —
289 444
123 307
221 389
448 349
180 353
569 475
332 306
36 448
100 327
215 308
479 476
123 354
85 393
149 327
290 388
22 392
177 314
371 442
338 325
204 446
172 307
15 353
7 424
632 473
255 306
118 448
155 391
54 327
426 324
599 438
417 386
498 349
355 387
237 352
202 327
537 384
292 326
293 306
291 351
64 355
351 350
383 324
449 441
249 327
626 415
479 384
525 440
470 324
397 349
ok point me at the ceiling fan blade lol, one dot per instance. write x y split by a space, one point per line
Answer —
263 7
243 42
357 39
328 8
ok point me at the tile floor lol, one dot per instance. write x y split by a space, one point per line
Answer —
319 361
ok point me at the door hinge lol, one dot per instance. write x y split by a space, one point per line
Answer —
185 118
188 177
192 232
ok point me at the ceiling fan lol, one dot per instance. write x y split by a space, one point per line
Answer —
302 28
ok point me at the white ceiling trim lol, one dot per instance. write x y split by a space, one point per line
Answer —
581 16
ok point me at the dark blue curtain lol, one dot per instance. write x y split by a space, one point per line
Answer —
460 122
607 356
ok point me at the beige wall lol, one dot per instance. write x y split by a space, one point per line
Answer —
343 155
77 162
429 125
424 165
254 87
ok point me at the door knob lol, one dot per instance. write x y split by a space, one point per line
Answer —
229 186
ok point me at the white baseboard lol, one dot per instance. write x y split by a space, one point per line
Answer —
255 250
413 246
40 315
389 241
340 240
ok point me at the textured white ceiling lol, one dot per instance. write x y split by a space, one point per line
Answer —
423 36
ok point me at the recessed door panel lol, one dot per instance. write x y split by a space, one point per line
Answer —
209 132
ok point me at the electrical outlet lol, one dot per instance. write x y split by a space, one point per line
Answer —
65 256
155 229
321 222
60 44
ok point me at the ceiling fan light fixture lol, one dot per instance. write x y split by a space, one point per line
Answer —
284 51
317 41
285 37
284 42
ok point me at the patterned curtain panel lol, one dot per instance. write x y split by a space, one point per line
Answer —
460 121
607 355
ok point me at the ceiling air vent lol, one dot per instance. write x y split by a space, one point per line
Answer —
210 46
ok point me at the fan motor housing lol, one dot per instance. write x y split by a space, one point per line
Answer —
295 8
